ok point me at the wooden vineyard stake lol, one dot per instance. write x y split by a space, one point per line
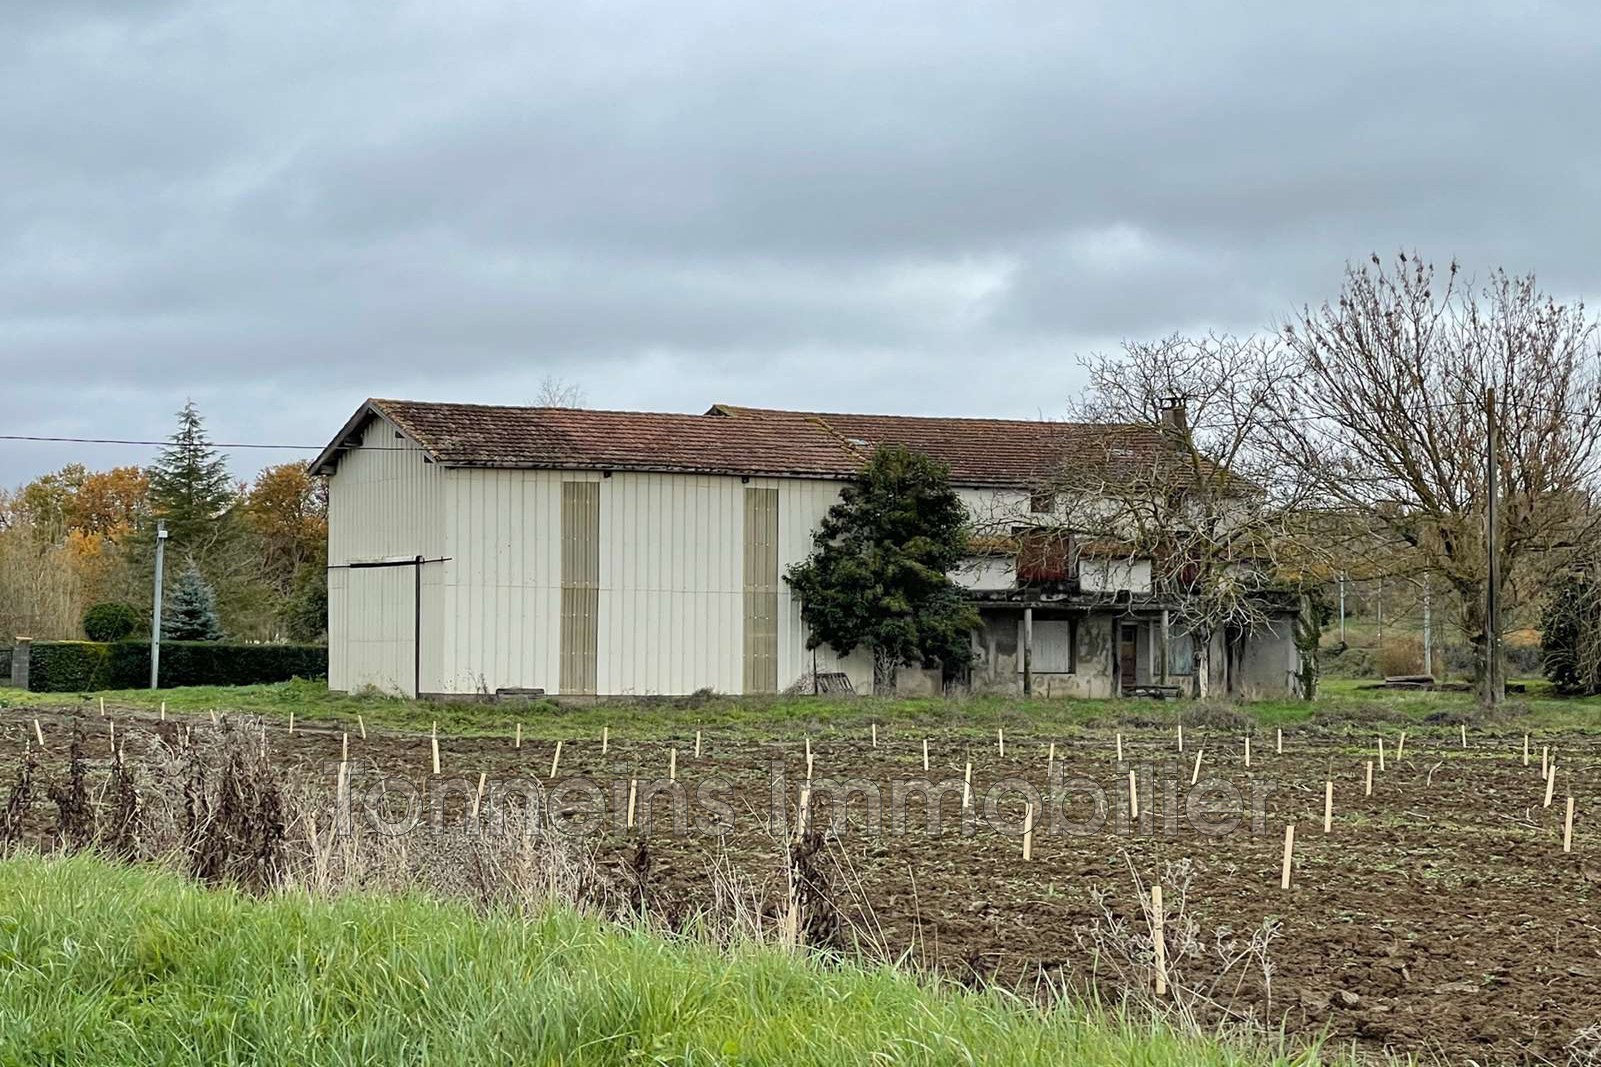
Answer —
875 735
102 707
1289 855
555 760
344 747
633 798
1195 775
163 711
362 722
1368 791
1028 832
1328 806
967 787
672 764
1400 746
1181 737
478 798
1050 759
1120 748
1381 754
433 743
214 721
1567 828
1550 785
1278 741
517 739
1525 750
1159 939
1133 797
808 759
38 732
925 754
697 744
291 724
605 739
113 725
1464 727
1247 750
1000 741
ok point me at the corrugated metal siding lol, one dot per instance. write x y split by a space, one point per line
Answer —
580 586
384 502
761 591
801 507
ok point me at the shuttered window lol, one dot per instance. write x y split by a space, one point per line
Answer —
761 590
580 585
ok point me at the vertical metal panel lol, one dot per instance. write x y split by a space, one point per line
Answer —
580 586
761 590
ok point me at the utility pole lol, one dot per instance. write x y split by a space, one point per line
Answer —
155 615
1428 655
1492 594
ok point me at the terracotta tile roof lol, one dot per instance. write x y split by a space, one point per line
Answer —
992 452
754 441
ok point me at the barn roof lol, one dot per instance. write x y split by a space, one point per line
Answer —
729 439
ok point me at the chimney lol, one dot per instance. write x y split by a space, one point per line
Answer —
1173 417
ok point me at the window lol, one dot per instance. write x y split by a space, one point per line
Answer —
1055 647
1044 555
1180 654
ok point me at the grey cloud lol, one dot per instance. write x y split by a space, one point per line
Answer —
280 209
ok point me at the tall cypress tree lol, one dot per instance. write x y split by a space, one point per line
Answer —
191 613
189 484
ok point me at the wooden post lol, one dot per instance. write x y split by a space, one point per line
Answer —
633 796
1159 939
163 711
1464 727
672 764
214 717
1120 748
1050 759
1369 790
1400 747
1195 775
555 760
478 798
605 739
1545 762
517 741
1278 741
1550 785
362 722
344 747
1328 806
697 744
1247 750
1181 748
1000 741
102 707
1381 754
1028 832
1525 750
38 732
1133 797
1567 828
967 787
434 743
113 725
925 754
291 723
875 735
808 741
1289 854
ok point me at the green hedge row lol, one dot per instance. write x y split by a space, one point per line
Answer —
78 666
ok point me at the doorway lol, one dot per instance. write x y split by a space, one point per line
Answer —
1128 643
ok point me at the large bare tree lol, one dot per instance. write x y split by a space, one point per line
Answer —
1388 416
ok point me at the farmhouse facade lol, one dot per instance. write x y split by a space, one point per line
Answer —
481 549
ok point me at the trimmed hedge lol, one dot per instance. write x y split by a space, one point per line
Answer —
78 666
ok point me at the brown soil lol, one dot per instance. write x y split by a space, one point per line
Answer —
1440 916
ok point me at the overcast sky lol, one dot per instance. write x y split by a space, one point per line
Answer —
281 208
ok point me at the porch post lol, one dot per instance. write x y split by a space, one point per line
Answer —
1028 651
1162 651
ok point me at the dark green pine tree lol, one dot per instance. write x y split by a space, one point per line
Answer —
189 485
879 573
191 613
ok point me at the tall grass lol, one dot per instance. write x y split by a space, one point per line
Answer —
116 965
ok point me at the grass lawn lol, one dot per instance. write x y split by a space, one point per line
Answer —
784 715
117 965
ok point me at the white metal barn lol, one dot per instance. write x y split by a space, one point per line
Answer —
476 549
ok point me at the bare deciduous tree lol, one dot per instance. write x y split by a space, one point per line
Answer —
557 392
1388 418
